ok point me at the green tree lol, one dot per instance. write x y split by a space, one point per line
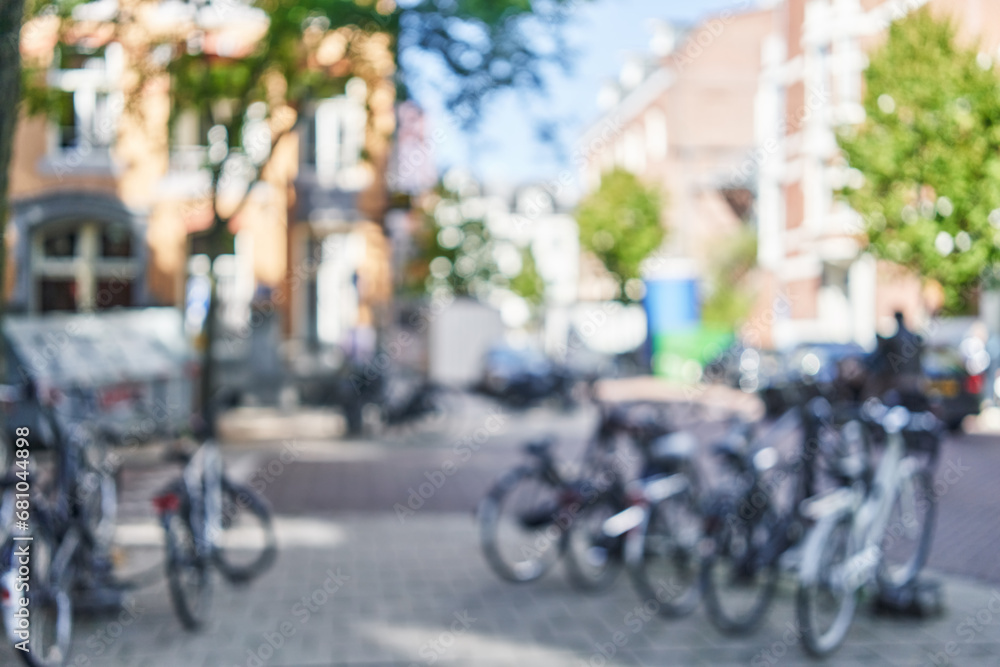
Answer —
462 260
620 224
929 154
475 47
728 301
528 284
459 253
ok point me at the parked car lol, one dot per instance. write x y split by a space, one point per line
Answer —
952 391
522 377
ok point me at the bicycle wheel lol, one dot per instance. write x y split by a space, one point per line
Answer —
97 497
593 559
6 451
664 558
247 545
49 605
188 573
906 543
738 588
826 602
519 526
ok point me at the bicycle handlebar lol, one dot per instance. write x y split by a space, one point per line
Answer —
898 419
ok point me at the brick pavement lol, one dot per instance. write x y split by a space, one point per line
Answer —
406 581
967 531
418 593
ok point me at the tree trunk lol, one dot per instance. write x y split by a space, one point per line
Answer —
208 390
208 403
11 14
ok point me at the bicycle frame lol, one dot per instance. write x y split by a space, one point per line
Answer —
69 538
751 469
645 493
869 510
64 521
203 487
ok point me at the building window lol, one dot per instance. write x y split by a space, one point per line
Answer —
86 119
89 103
188 139
59 243
656 135
337 138
57 294
82 266
635 152
331 298
116 242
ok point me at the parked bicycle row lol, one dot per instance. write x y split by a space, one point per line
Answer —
56 559
837 493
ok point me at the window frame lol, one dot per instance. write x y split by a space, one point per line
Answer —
97 103
335 140
86 266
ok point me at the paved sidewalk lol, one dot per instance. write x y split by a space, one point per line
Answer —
365 589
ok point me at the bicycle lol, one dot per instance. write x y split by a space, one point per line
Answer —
207 519
542 506
861 532
65 550
535 514
753 519
396 403
663 526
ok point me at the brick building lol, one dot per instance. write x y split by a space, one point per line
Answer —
828 289
683 118
105 195
736 119
686 119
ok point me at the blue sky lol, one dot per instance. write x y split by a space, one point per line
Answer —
603 34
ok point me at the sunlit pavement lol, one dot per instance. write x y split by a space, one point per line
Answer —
359 582
367 589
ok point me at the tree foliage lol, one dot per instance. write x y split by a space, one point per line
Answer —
528 284
460 253
620 223
929 152
729 299
477 47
